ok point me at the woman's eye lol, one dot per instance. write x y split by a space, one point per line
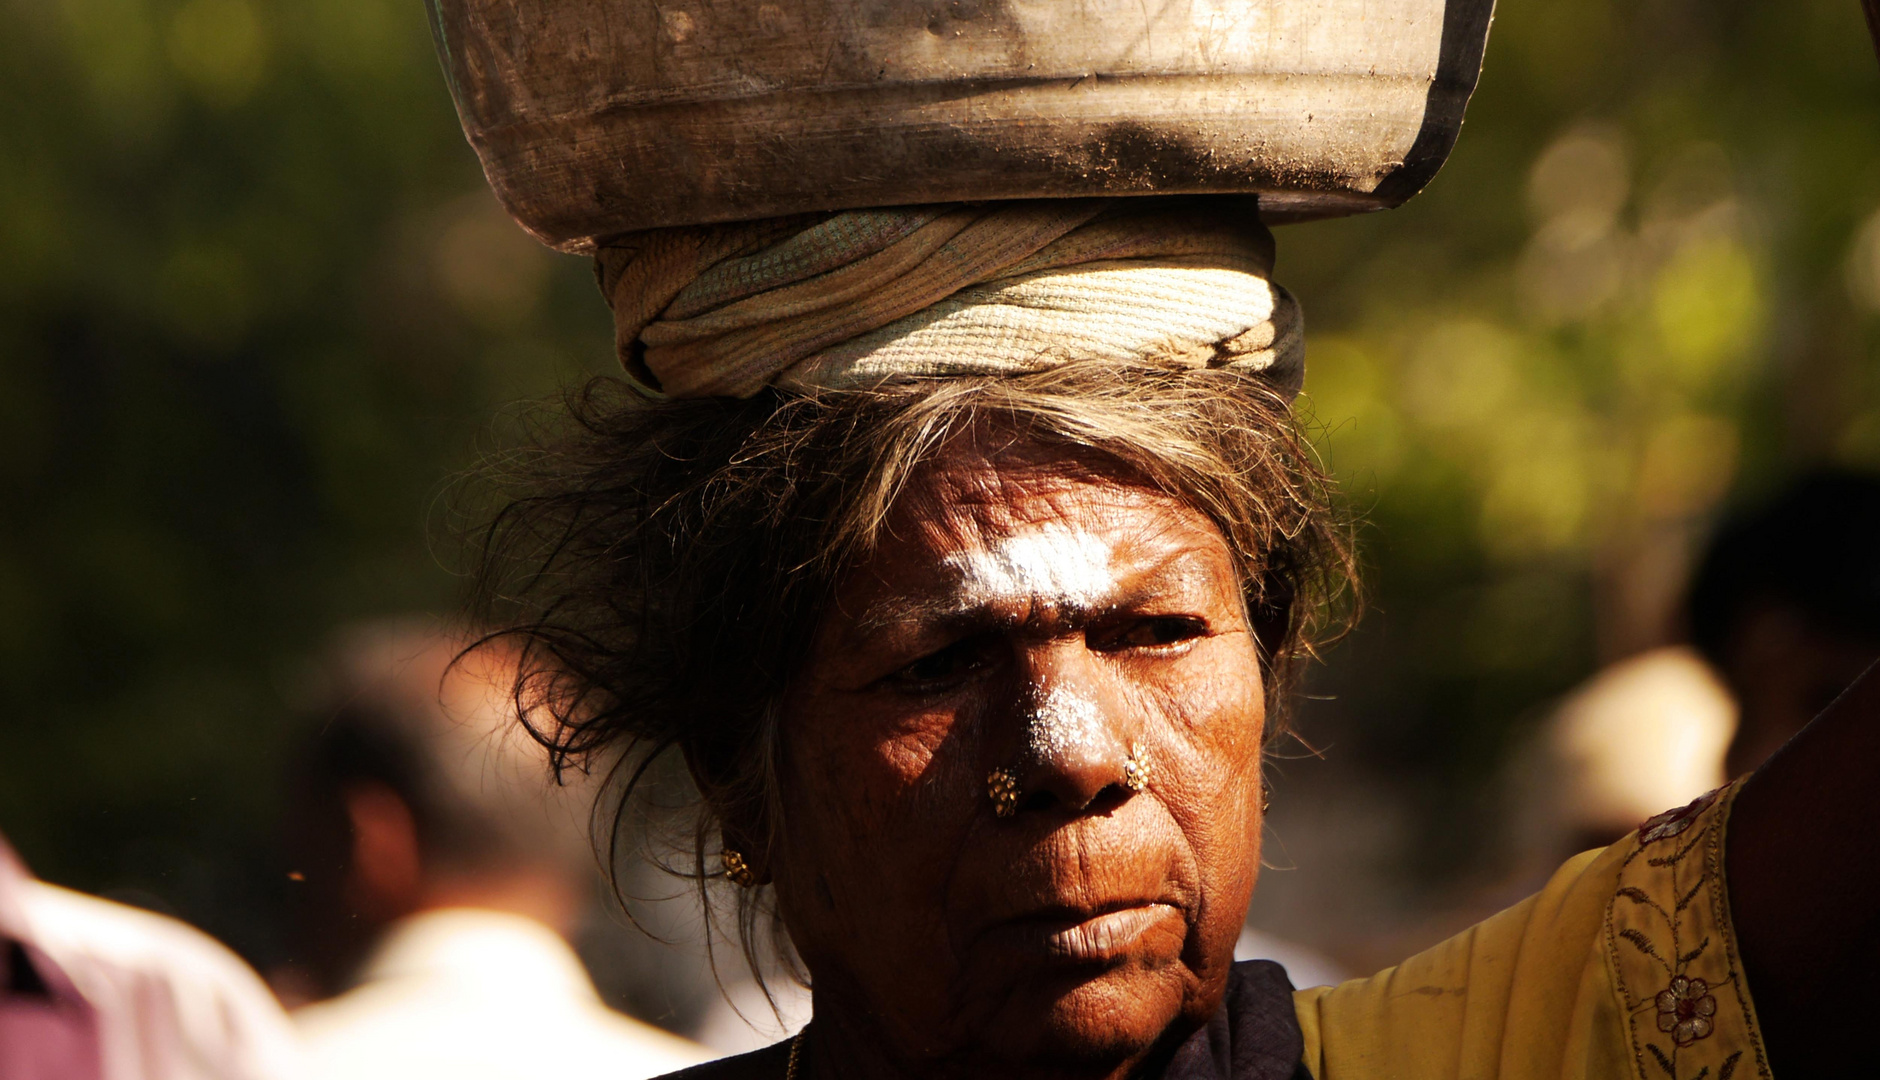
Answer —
1148 633
955 661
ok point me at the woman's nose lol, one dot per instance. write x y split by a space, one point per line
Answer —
1074 750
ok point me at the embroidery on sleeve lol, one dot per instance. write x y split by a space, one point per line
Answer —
1672 952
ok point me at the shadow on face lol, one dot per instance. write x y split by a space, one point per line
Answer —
1084 639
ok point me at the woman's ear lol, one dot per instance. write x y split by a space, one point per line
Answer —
737 835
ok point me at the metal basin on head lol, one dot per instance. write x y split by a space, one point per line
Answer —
597 117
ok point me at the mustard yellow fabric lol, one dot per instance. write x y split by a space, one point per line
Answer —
1624 966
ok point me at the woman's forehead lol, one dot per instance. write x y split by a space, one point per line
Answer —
973 500
1061 553
979 529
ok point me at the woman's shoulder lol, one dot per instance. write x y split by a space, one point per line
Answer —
770 1063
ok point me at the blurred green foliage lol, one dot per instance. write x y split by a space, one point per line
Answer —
1644 287
255 308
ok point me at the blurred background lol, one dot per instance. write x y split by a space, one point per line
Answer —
257 311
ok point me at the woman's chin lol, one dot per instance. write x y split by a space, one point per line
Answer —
1091 1013
1115 1018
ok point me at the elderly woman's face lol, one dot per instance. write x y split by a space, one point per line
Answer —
1079 632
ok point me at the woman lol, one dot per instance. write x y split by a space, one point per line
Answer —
966 562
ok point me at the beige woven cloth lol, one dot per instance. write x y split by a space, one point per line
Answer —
852 299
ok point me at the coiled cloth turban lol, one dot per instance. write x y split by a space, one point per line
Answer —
852 299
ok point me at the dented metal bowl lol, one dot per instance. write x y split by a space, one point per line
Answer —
597 117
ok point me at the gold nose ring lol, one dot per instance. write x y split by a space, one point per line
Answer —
1135 771
1002 785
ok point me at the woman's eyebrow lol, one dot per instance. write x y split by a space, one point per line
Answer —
931 614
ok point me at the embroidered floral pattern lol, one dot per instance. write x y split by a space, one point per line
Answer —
1671 955
1685 1008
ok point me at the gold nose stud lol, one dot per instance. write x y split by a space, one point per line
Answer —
1002 785
1135 771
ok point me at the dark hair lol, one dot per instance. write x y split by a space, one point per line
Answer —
662 564
1815 547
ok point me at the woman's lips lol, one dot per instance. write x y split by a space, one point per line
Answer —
1103 936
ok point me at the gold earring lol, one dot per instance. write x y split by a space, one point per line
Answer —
1135 773
1002 785
737 871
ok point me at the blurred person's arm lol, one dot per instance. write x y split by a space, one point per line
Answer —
171 1001
1803 855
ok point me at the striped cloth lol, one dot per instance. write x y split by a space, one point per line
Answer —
851 299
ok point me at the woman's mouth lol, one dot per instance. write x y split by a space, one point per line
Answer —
1090 938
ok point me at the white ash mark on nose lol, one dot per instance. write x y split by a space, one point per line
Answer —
1065 724
1065 566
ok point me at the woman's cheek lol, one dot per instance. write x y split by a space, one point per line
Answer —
1213 713
899 771
1213 701
909 745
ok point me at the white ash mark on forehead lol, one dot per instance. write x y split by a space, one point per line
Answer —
1065 724
1064 566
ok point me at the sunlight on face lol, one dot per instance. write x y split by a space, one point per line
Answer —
1030 617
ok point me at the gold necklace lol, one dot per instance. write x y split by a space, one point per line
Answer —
796 1053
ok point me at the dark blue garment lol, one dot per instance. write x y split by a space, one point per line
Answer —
1253 1036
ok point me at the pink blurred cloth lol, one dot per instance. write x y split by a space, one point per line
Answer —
48 1031
111 992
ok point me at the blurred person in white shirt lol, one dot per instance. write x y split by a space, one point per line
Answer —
95 990
1783 614
442 868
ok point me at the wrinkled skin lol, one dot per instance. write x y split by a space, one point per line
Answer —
1039 616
